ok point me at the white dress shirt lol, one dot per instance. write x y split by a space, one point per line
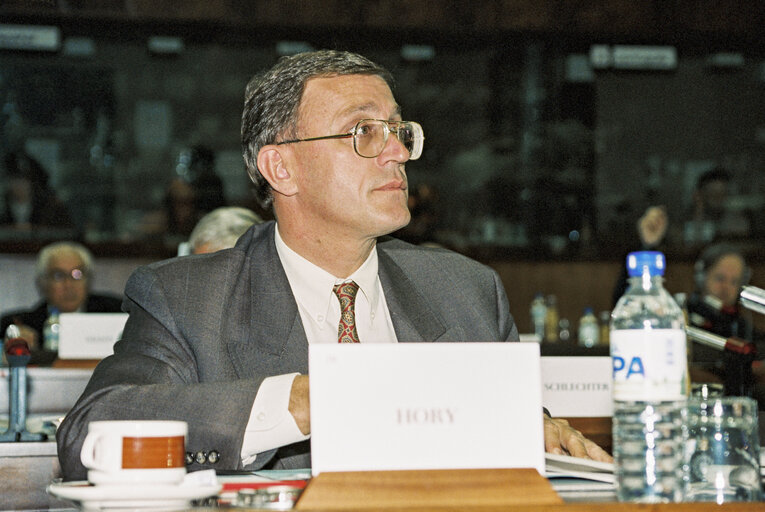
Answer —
271 425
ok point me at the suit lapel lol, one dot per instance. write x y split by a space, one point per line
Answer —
275 339
413 318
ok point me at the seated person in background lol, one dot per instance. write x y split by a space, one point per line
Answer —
208 185
189 196
29 202
174 221
719 274
221 228
221 340
63 275
710 218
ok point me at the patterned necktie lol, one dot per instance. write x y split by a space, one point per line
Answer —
346 329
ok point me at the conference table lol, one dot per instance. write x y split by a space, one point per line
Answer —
25 475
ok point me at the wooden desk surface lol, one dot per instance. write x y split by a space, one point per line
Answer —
576 507
597 429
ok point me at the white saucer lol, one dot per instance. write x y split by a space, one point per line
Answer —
133 496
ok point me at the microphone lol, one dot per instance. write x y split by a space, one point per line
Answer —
732 344
16 348
753 298
18 354
738 355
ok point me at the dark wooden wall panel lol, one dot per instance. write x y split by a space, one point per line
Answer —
581 284
607 18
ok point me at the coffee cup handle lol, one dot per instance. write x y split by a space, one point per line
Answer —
87 453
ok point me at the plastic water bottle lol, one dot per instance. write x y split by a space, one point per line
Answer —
50 331
604 322
648 352
589 334
538 313
552 320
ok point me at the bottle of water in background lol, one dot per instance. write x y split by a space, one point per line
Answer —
564 330
552 326
604 323
589 331
50 331
648 352
538 312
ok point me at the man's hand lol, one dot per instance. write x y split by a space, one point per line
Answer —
652 226
561 439
300 405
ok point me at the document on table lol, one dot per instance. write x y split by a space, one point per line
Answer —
565 466
235 481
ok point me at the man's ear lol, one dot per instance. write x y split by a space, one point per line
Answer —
273 165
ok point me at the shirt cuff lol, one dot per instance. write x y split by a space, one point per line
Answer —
271 425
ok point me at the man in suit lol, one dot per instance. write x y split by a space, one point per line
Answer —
220 340
64 275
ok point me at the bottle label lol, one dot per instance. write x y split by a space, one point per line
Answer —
649 365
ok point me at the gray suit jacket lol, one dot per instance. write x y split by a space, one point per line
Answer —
204 331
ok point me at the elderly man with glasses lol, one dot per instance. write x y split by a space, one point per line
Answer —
221 340
63 276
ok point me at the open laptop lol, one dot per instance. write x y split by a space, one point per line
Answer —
89 335
425 406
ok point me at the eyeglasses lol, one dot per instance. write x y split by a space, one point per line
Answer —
371 135
59 276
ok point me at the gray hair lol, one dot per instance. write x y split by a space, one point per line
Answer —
272 99
50 251
222 227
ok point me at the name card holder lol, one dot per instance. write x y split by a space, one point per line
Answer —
358 490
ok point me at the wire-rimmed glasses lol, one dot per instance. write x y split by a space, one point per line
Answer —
371 135
59 276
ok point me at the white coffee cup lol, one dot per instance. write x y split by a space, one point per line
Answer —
129 452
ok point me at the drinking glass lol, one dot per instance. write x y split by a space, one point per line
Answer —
722 459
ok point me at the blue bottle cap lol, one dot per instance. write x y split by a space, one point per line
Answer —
654 261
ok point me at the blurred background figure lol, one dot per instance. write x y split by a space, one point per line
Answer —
194 191
652 228
710 220
180 208
423 207
221 228
719 274
64 273
29 201
207 185
711 217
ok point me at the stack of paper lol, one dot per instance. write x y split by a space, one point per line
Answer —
568 473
